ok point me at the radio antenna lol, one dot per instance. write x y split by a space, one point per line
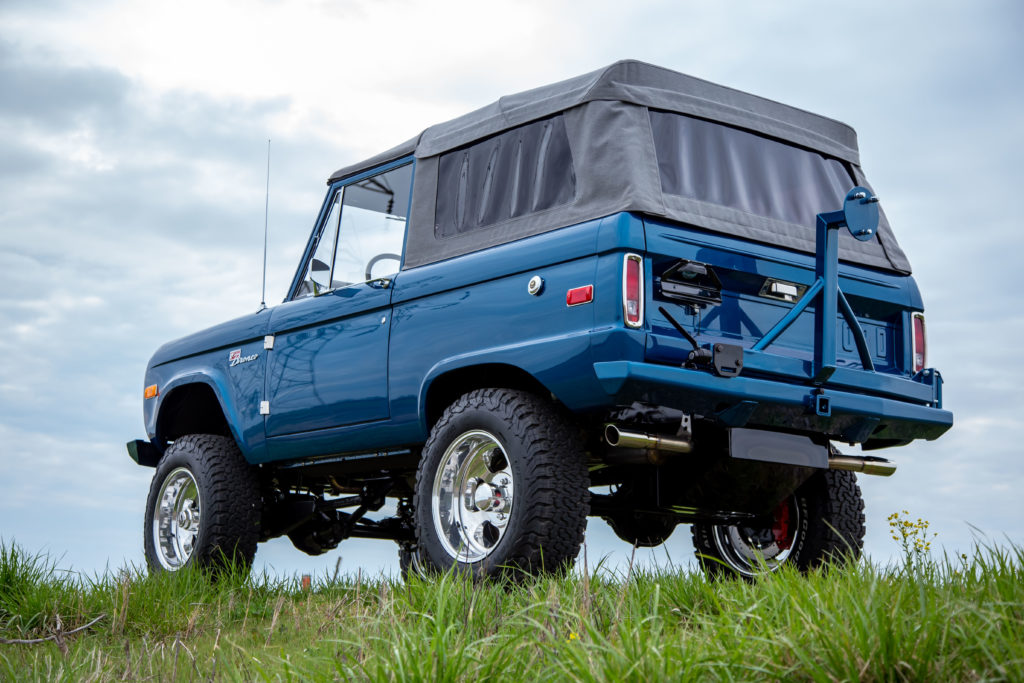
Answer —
266 213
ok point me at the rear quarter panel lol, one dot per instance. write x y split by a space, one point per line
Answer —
476 309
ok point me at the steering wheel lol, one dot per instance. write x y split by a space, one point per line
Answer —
378 258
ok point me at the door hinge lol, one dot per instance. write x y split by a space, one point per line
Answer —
264 407
268 342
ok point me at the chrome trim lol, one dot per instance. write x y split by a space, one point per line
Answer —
618 438
781 290
581 303
535 285
473 496
913 342
643 291
176 519
852 463
748 555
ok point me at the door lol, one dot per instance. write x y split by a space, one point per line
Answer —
329 362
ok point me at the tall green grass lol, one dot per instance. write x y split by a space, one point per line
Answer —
958 618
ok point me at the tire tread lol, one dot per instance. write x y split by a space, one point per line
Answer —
231 504
550 536
834 531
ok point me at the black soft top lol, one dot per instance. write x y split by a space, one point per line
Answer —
621 151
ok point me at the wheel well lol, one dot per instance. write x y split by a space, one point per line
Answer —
191 409
448 387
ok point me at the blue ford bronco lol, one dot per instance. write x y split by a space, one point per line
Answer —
633 294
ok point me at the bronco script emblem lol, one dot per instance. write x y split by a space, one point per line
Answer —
236 358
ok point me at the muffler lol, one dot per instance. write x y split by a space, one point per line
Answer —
655 446
865 465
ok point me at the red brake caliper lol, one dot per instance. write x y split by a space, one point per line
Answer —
780 526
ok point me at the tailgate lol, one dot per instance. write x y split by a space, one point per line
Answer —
725 290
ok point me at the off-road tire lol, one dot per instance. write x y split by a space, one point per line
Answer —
640 530
229 526
551 502
831 529
408 562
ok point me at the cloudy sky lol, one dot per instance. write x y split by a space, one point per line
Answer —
132 159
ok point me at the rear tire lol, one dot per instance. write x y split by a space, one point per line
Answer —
822 523
203 508
502 488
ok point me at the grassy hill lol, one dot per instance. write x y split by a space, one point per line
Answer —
958 619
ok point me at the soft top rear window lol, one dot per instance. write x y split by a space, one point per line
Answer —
715 163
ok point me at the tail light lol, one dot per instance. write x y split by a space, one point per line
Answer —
917 342
633 290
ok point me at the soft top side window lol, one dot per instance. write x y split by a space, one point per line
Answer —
362 236
516 173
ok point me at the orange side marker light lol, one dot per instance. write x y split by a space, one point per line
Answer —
151 391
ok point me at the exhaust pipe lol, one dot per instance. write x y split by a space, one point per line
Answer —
865 465
655 445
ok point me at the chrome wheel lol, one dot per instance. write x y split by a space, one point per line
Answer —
176 519
750 550
472 496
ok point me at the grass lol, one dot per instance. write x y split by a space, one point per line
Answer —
960 618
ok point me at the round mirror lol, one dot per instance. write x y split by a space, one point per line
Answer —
861 210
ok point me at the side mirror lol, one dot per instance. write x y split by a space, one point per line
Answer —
317 270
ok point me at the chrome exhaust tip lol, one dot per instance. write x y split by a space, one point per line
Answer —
865 465
619 438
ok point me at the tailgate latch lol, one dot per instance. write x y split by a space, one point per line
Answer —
727 359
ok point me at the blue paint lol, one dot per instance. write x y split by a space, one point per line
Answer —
330 359
352 370
627 381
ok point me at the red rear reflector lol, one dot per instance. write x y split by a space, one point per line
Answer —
150 392
633 291
918 343
579 295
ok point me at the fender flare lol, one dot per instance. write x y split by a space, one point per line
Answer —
228 407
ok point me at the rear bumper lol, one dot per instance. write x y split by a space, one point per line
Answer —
742 401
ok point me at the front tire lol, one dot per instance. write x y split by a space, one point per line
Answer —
822 523
203 508
502 488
